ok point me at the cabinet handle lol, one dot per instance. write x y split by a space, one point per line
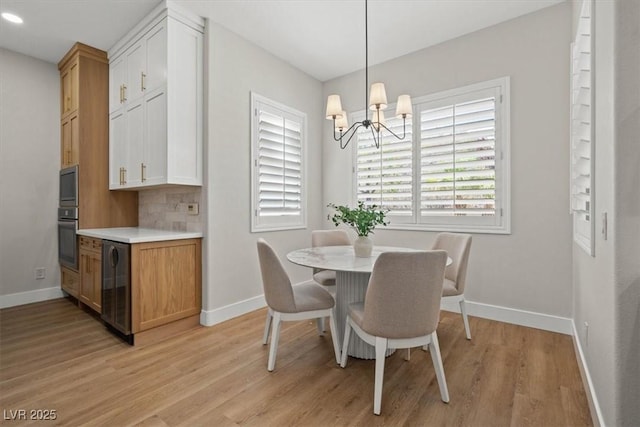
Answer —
124 176
120 94
143 169
142 76
124 92
121 176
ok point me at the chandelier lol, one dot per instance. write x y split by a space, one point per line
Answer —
377 96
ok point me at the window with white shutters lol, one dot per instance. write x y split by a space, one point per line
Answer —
385 174
582 146
278 184
451 171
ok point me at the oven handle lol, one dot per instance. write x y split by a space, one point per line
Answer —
70 223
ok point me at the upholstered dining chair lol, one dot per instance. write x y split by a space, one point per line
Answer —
328 238
285 302
458 247
401 310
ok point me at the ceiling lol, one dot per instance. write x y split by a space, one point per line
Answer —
324 38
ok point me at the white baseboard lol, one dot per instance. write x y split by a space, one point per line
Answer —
218 315
592 398
530 319
28 297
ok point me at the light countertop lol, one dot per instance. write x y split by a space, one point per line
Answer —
137 234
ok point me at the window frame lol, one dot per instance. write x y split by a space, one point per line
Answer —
276 223
498 224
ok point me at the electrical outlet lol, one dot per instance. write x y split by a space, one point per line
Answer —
40 273
192 209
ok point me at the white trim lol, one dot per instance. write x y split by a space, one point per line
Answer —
276 223
592 398
219 315
28 297
529 319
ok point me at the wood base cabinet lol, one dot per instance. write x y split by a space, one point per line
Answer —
70 281
90 293
166 282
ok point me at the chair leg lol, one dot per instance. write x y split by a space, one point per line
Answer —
345 342
275 335
381 349
334 336
436 358
267 326
320 326
465 319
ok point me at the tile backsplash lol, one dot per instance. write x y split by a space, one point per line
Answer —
166 208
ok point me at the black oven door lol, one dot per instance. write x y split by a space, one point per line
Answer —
68 243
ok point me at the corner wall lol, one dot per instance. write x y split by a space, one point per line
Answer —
235 68
29 166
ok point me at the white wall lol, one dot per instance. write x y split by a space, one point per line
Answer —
531 268
29 165
607 286
235 68
627 214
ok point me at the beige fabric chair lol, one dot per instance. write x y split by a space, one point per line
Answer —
458 247
285 302
328 238
401 310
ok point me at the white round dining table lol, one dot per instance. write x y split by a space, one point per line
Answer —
352 278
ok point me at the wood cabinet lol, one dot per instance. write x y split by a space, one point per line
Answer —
90 292
70 87
84 135
70 147
84 80
166 282
70 281
155 102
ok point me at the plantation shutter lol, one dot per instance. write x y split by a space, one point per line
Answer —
457 159
278 163
582 147
384 176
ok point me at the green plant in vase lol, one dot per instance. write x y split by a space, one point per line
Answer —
363 220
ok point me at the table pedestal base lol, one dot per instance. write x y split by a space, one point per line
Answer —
352 287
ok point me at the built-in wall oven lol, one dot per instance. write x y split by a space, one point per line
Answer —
67 237
69 186
68 218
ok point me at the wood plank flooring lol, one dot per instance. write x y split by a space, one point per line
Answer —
54 356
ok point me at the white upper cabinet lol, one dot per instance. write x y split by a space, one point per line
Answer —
155 102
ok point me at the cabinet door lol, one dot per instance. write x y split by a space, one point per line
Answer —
155 148
156 50
85 294
70 152
135 141
70 281
96 281
117 74
135 57
69 83
117 149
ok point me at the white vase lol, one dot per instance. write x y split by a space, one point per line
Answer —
363 246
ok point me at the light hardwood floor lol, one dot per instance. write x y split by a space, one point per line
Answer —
55 356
